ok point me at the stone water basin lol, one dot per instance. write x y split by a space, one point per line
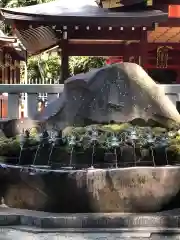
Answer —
135 189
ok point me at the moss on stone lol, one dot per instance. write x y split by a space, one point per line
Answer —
10 147
116 127
158 131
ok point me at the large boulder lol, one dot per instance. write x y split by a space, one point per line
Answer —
118 93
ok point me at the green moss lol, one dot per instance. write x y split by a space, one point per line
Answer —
33 132
116 127
77 131
174 148
158 131
10 147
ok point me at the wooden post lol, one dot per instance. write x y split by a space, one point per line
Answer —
31 105
13 106
143 48
178 76
64 58
126 52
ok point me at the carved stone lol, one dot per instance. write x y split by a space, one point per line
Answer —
119 93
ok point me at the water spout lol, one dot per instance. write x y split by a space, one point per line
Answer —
71 143
21 142
164 143
133 137
94 138
115 144
53 140
152 154
36 154
151 141
93 153
50 154
166 156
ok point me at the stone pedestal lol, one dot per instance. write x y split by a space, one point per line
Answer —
13 106
31 105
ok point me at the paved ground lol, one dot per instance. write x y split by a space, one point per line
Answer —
34 218
6 234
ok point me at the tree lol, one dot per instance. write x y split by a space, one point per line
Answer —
17 3
84 64
45 67
20 3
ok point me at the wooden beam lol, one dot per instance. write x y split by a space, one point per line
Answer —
96 49
113 49
172 22
171 62
89 31
105 33
143 49
150 66
152 46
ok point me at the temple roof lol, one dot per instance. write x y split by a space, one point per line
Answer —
81 12
6 39
12 43
40 27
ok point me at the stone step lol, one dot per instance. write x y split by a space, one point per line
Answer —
168 220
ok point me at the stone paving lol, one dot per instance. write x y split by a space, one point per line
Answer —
31 223
8 234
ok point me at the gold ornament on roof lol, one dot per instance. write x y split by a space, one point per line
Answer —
111 3
117 3
149 2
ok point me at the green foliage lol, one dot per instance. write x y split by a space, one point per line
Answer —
84 64
17 3
116 127
83 147
9 147
20 3
105 132
45 67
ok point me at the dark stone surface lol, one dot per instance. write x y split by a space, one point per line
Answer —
138 189
13 127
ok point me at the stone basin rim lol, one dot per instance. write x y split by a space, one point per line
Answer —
20 167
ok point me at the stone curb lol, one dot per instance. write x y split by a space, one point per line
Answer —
17 217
